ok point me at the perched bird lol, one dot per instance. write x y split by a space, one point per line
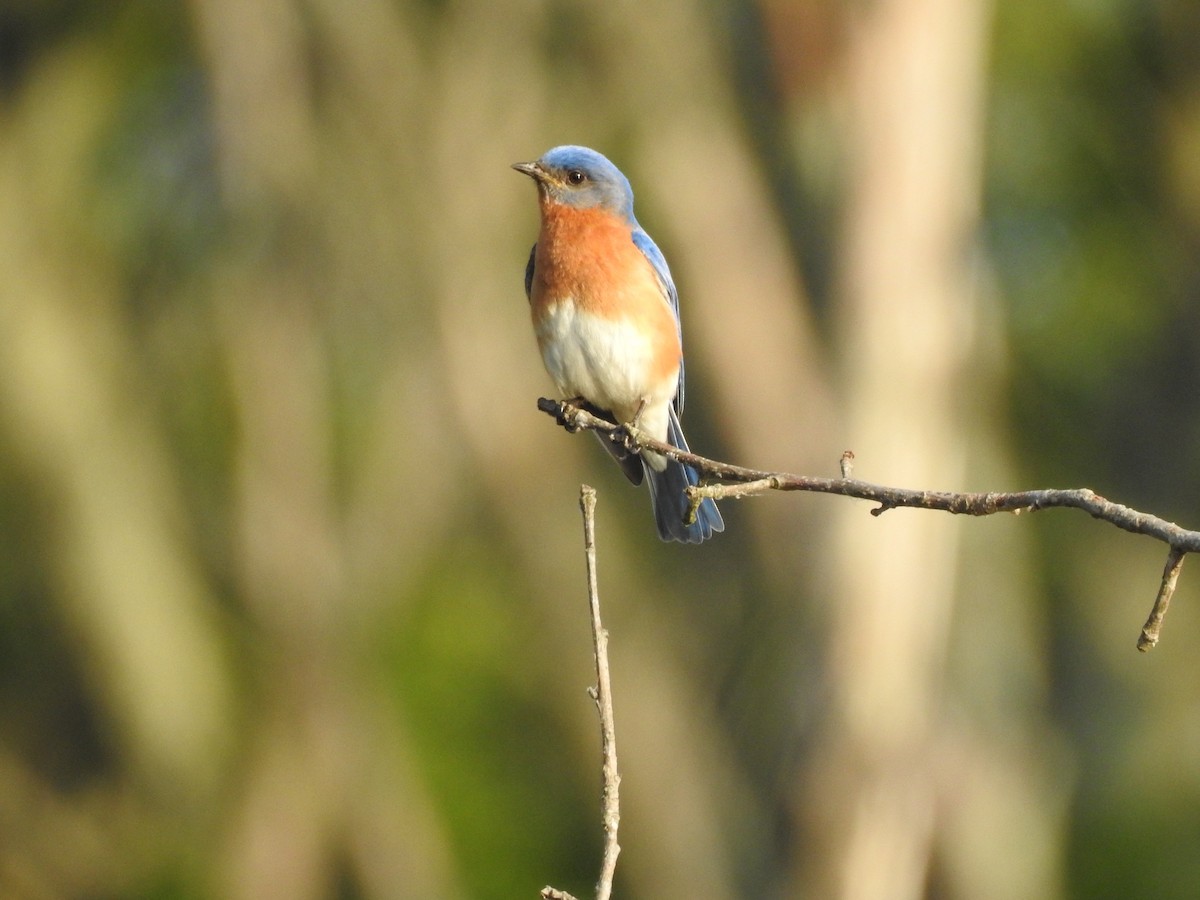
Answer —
606 315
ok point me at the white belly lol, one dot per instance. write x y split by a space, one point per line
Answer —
608 363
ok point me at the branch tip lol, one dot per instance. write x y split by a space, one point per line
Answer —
601 693
1170 578
847 464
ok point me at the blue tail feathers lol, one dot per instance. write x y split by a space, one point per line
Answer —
670 501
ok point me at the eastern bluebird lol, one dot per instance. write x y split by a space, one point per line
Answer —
606 315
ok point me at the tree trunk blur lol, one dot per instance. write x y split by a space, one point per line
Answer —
914 92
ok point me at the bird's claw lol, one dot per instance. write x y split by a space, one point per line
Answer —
566 417
622 436
569 410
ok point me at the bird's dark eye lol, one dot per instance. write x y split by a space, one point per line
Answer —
574 176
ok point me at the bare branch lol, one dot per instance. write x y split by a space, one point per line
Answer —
602 695
736 482
1149 636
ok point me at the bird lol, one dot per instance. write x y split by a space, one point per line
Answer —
606 316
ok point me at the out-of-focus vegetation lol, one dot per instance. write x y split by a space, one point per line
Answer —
291 578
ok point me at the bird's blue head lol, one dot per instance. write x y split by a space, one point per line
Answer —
581 177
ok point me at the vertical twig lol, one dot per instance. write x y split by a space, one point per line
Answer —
602 694
1149 636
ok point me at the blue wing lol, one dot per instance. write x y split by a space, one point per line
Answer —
650 250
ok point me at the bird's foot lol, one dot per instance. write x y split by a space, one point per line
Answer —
623 437
626 433
566 413
636 421
569 407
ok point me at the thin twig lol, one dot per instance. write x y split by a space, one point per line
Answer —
735 482
602 695
1149 635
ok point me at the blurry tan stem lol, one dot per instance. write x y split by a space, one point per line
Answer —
739 482
602 694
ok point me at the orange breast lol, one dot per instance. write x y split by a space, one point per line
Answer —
587 256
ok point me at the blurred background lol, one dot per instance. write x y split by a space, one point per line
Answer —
291 580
